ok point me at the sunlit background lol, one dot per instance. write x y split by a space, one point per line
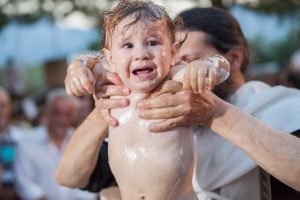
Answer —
39 37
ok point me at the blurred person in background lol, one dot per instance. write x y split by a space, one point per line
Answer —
7 130
84 108
10 135
291 77
222 170
36 160
13 79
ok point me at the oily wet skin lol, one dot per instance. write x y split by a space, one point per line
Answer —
146 165
140 54
150 165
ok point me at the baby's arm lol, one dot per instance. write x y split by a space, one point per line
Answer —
199 75
81 72
80 80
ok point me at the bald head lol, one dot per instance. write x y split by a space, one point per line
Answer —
4 93
61 110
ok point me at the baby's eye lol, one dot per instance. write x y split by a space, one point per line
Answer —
152 43
128 45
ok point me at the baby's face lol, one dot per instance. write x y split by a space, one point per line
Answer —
141 53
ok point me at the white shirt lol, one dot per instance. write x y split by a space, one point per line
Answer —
219 164
8 142
14 133
36 163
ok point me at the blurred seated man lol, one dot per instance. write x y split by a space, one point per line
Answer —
36 160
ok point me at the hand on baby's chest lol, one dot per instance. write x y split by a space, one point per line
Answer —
128 116
139 158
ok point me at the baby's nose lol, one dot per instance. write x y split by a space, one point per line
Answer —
142 53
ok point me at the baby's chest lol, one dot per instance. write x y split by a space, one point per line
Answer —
134 133
128 117
131 128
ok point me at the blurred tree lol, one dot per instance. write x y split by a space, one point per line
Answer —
280 7
3 19
28 11
279 51
218 3
286 7
95 45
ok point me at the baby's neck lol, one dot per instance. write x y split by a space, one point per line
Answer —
134 95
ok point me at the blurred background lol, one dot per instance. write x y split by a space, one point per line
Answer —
38 38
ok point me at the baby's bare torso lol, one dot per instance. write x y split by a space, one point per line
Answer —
147 165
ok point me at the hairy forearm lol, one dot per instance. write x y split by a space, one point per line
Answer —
275 151
81 153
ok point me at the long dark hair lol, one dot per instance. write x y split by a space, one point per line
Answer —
222 30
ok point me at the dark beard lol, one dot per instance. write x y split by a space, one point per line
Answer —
225 89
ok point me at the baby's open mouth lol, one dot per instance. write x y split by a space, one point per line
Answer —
143 74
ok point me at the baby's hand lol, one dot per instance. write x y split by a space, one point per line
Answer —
79 79
205 74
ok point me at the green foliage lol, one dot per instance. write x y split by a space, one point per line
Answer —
92 8
56 11
3 20
279 51
95 45
30 17
280 7
35 78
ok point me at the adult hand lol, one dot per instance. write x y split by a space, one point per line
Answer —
109 84
183 108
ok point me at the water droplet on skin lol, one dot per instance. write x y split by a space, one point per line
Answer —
181 151
142 196
131 155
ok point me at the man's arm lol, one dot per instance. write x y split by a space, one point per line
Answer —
84 164
275 151
81 154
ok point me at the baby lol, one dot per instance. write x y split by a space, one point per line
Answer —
140 47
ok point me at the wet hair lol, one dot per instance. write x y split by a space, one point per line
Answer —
222 30
139 10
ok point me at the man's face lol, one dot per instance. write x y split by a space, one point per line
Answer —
141 53
5 109
195 48
60 116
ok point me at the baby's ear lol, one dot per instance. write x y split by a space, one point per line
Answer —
174 49
174 52
109 60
